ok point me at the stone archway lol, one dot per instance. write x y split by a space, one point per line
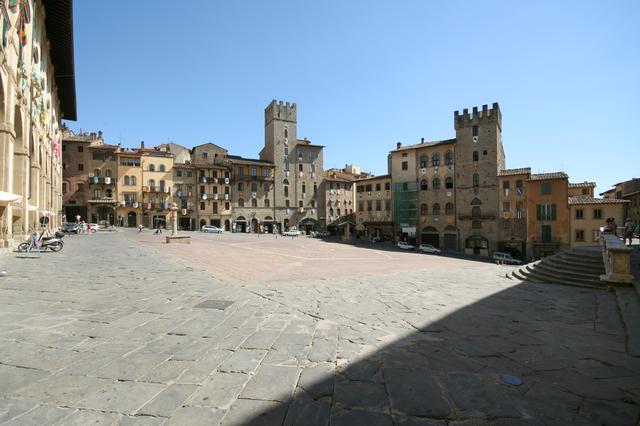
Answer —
255 227
450 238
227 225
132 219
241 224
431 236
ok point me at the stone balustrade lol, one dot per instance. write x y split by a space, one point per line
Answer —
617 260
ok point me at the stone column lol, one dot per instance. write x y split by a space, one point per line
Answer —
174 220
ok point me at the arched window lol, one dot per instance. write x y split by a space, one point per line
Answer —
254 187
448 183
423 209
286 133
448 158
286 191
475 156
152 167
254 202
286 165
96 172
266 202
162 168
424 161
152 183
435 160
423 184
240 202
108 173
240 186
127 181
435 184
315 188
436 209
448 209
476 213
476 180
304 188
134 180
161 185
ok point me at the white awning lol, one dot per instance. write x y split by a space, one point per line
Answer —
7 197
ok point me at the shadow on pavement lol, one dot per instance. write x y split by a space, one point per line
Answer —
565 345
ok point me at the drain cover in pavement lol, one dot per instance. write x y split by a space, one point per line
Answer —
215 304
511 380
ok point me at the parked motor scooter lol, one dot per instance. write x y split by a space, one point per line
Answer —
43 242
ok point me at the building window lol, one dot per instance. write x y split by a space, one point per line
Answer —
585 191
424 161
405 165
506 206
304 188
96 173
240 171
448 209
179 173
474 131
227 206
423 184
300 204
152 167
435 184
448 158
476 213
377 186
286 191
475 156
378 205
545 188
387 186
266 202
240 186
448 183
579 235
369 206
133 180
64 187
80 148
286 133
435 160
476 180
368 188
286 152
387 205
546 233
519 187
80 187
597 213
436 209
80 167
254 187
300 167
163 168
267 187
201 205
361 206
265 172
546 211
254 171
423 209
254 202
579 214
240 202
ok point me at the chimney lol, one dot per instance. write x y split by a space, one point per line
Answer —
398 145
142 144
421 140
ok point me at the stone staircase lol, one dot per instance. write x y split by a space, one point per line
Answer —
580 267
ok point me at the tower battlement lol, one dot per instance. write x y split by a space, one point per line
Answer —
486 115
279 110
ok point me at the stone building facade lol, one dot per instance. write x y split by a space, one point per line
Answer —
627 190
374 207
298 168
77 165
512 230
129 188
184 195
157 183
102 202
37 90
336 203
214 185
581 189
252 195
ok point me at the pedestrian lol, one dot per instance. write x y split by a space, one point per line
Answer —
140 228
629 226
614 226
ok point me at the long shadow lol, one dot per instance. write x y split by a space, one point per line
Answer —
530 355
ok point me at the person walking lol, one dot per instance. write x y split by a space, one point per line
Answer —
629 226
140 229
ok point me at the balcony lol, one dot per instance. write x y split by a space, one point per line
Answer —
204 196
156 189
102 200
102 180
254 178
184 194
130 204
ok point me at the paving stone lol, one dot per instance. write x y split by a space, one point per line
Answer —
308 412
131 367
359 418
579 385
167 401
121 397
61 390
415 392
167 371
14 378
243 361
200 370
272 383
474 393
41 415
316 382
261 339
323 350
549 402
196 416
142 421
352 394
11 408
220 390
256 413
90 417
418 421
609 413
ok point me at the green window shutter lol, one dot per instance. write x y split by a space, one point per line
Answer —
553 212
539 211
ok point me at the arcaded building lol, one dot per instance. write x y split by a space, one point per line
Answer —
37 91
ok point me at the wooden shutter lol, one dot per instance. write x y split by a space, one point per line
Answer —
553 212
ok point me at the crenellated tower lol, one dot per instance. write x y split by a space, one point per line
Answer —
479 157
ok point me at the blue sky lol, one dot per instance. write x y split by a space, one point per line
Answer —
368 74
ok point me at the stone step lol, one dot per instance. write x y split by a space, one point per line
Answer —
554 270
559 263
581 254
542 277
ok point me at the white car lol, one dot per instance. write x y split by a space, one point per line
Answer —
211 228
428 248
405 245
292 232
502 258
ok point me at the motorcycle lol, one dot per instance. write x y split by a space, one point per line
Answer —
53 243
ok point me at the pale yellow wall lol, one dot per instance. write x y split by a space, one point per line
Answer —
591 226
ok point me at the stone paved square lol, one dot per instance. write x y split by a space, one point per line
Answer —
112 331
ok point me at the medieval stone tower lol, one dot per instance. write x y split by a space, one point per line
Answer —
479 157
298 167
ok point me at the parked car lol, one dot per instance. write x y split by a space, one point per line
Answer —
69 228
94 227
405 245
211 228
292 232
503 258
428 248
